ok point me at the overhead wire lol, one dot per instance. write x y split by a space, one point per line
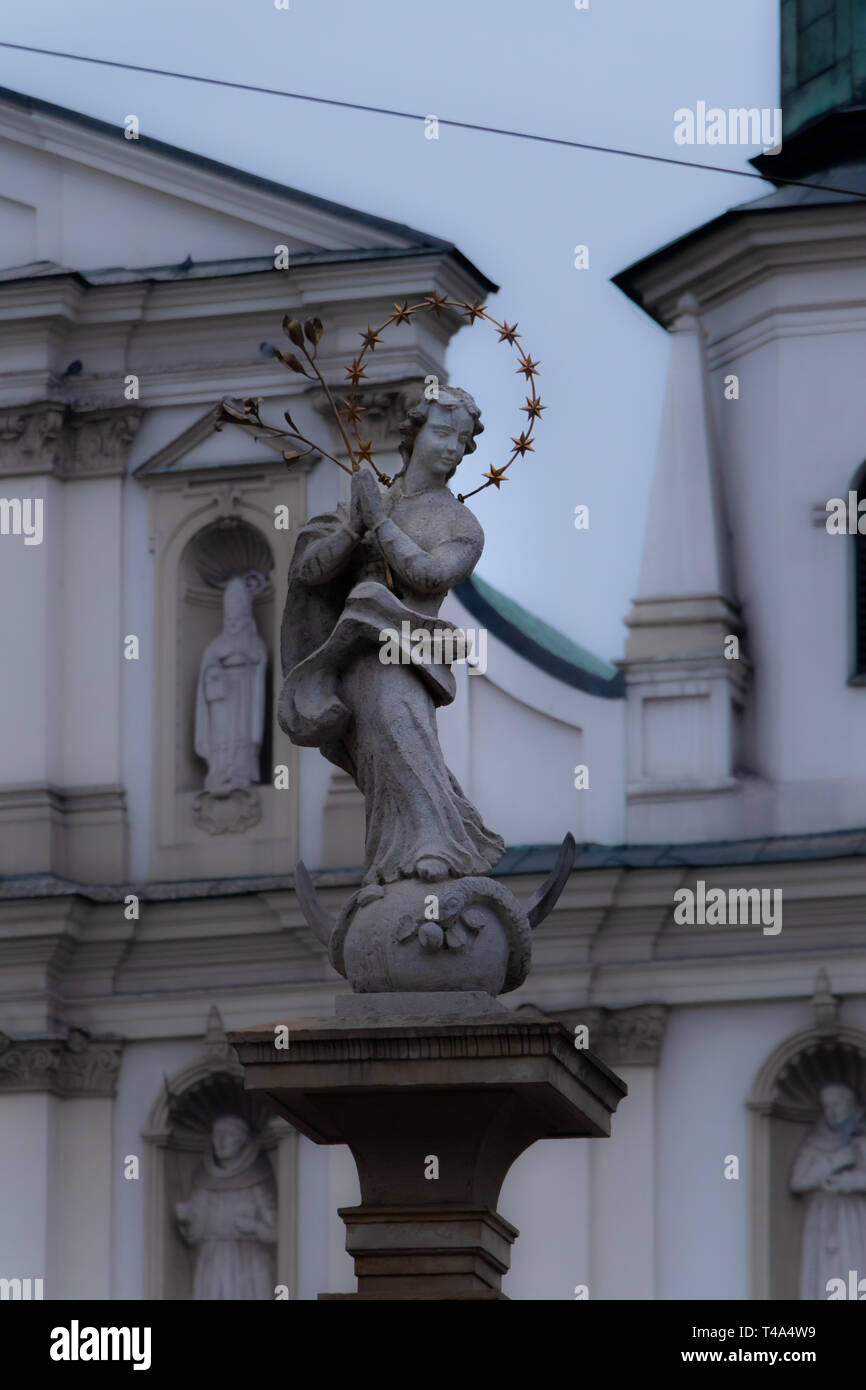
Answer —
442 120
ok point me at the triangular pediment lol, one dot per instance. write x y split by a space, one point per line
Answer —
78 195
201 448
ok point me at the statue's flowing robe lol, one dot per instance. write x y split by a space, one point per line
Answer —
230 708
230 1264
377 721
834 1231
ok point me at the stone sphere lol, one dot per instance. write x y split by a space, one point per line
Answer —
463 934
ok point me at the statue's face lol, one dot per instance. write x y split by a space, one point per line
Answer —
838 1104
228 1138
442 440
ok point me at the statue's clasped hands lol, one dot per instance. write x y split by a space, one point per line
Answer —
367 507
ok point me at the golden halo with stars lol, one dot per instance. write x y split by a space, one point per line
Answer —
352 410
349 413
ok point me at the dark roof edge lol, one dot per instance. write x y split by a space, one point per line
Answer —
148 274
625 280
534 652
215 166
771 849
518 859
831 138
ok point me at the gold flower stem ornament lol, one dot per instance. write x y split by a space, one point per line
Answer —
306 338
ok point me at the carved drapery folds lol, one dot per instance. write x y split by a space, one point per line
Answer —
51 437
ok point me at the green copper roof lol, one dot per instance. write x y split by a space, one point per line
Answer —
543 633
823 58
538 642
823 88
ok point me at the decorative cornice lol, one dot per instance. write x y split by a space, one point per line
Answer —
101 441
32 439
620 1037
744 246
50 437
73 1065
321 1047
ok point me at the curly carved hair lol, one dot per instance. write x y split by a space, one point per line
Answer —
449 397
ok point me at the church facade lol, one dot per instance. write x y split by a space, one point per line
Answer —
710 936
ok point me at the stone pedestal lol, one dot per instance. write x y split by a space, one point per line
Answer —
471 1093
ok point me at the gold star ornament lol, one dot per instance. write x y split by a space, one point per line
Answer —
474 311
436 303
355 372
496 476
508 333
527 366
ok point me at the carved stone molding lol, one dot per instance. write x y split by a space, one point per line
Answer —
231 814
385 407
49 437
74 832
632 1037
101 441
620 1037
74 1065
32 439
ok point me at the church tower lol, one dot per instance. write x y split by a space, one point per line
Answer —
823 86
764 425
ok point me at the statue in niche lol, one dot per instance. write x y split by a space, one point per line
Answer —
230 712
230 1217
830 1172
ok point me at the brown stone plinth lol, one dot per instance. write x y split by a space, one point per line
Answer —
473 1093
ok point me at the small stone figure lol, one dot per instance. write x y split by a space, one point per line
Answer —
231 1216
830 1171
230 700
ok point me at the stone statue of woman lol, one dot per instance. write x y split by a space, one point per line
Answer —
830 1172
230 700
428 917
231 1216
357 573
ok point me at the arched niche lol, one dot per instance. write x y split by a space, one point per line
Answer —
785 1105
178 1128
203 529
222 550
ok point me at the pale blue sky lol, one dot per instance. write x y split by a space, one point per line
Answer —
613 75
